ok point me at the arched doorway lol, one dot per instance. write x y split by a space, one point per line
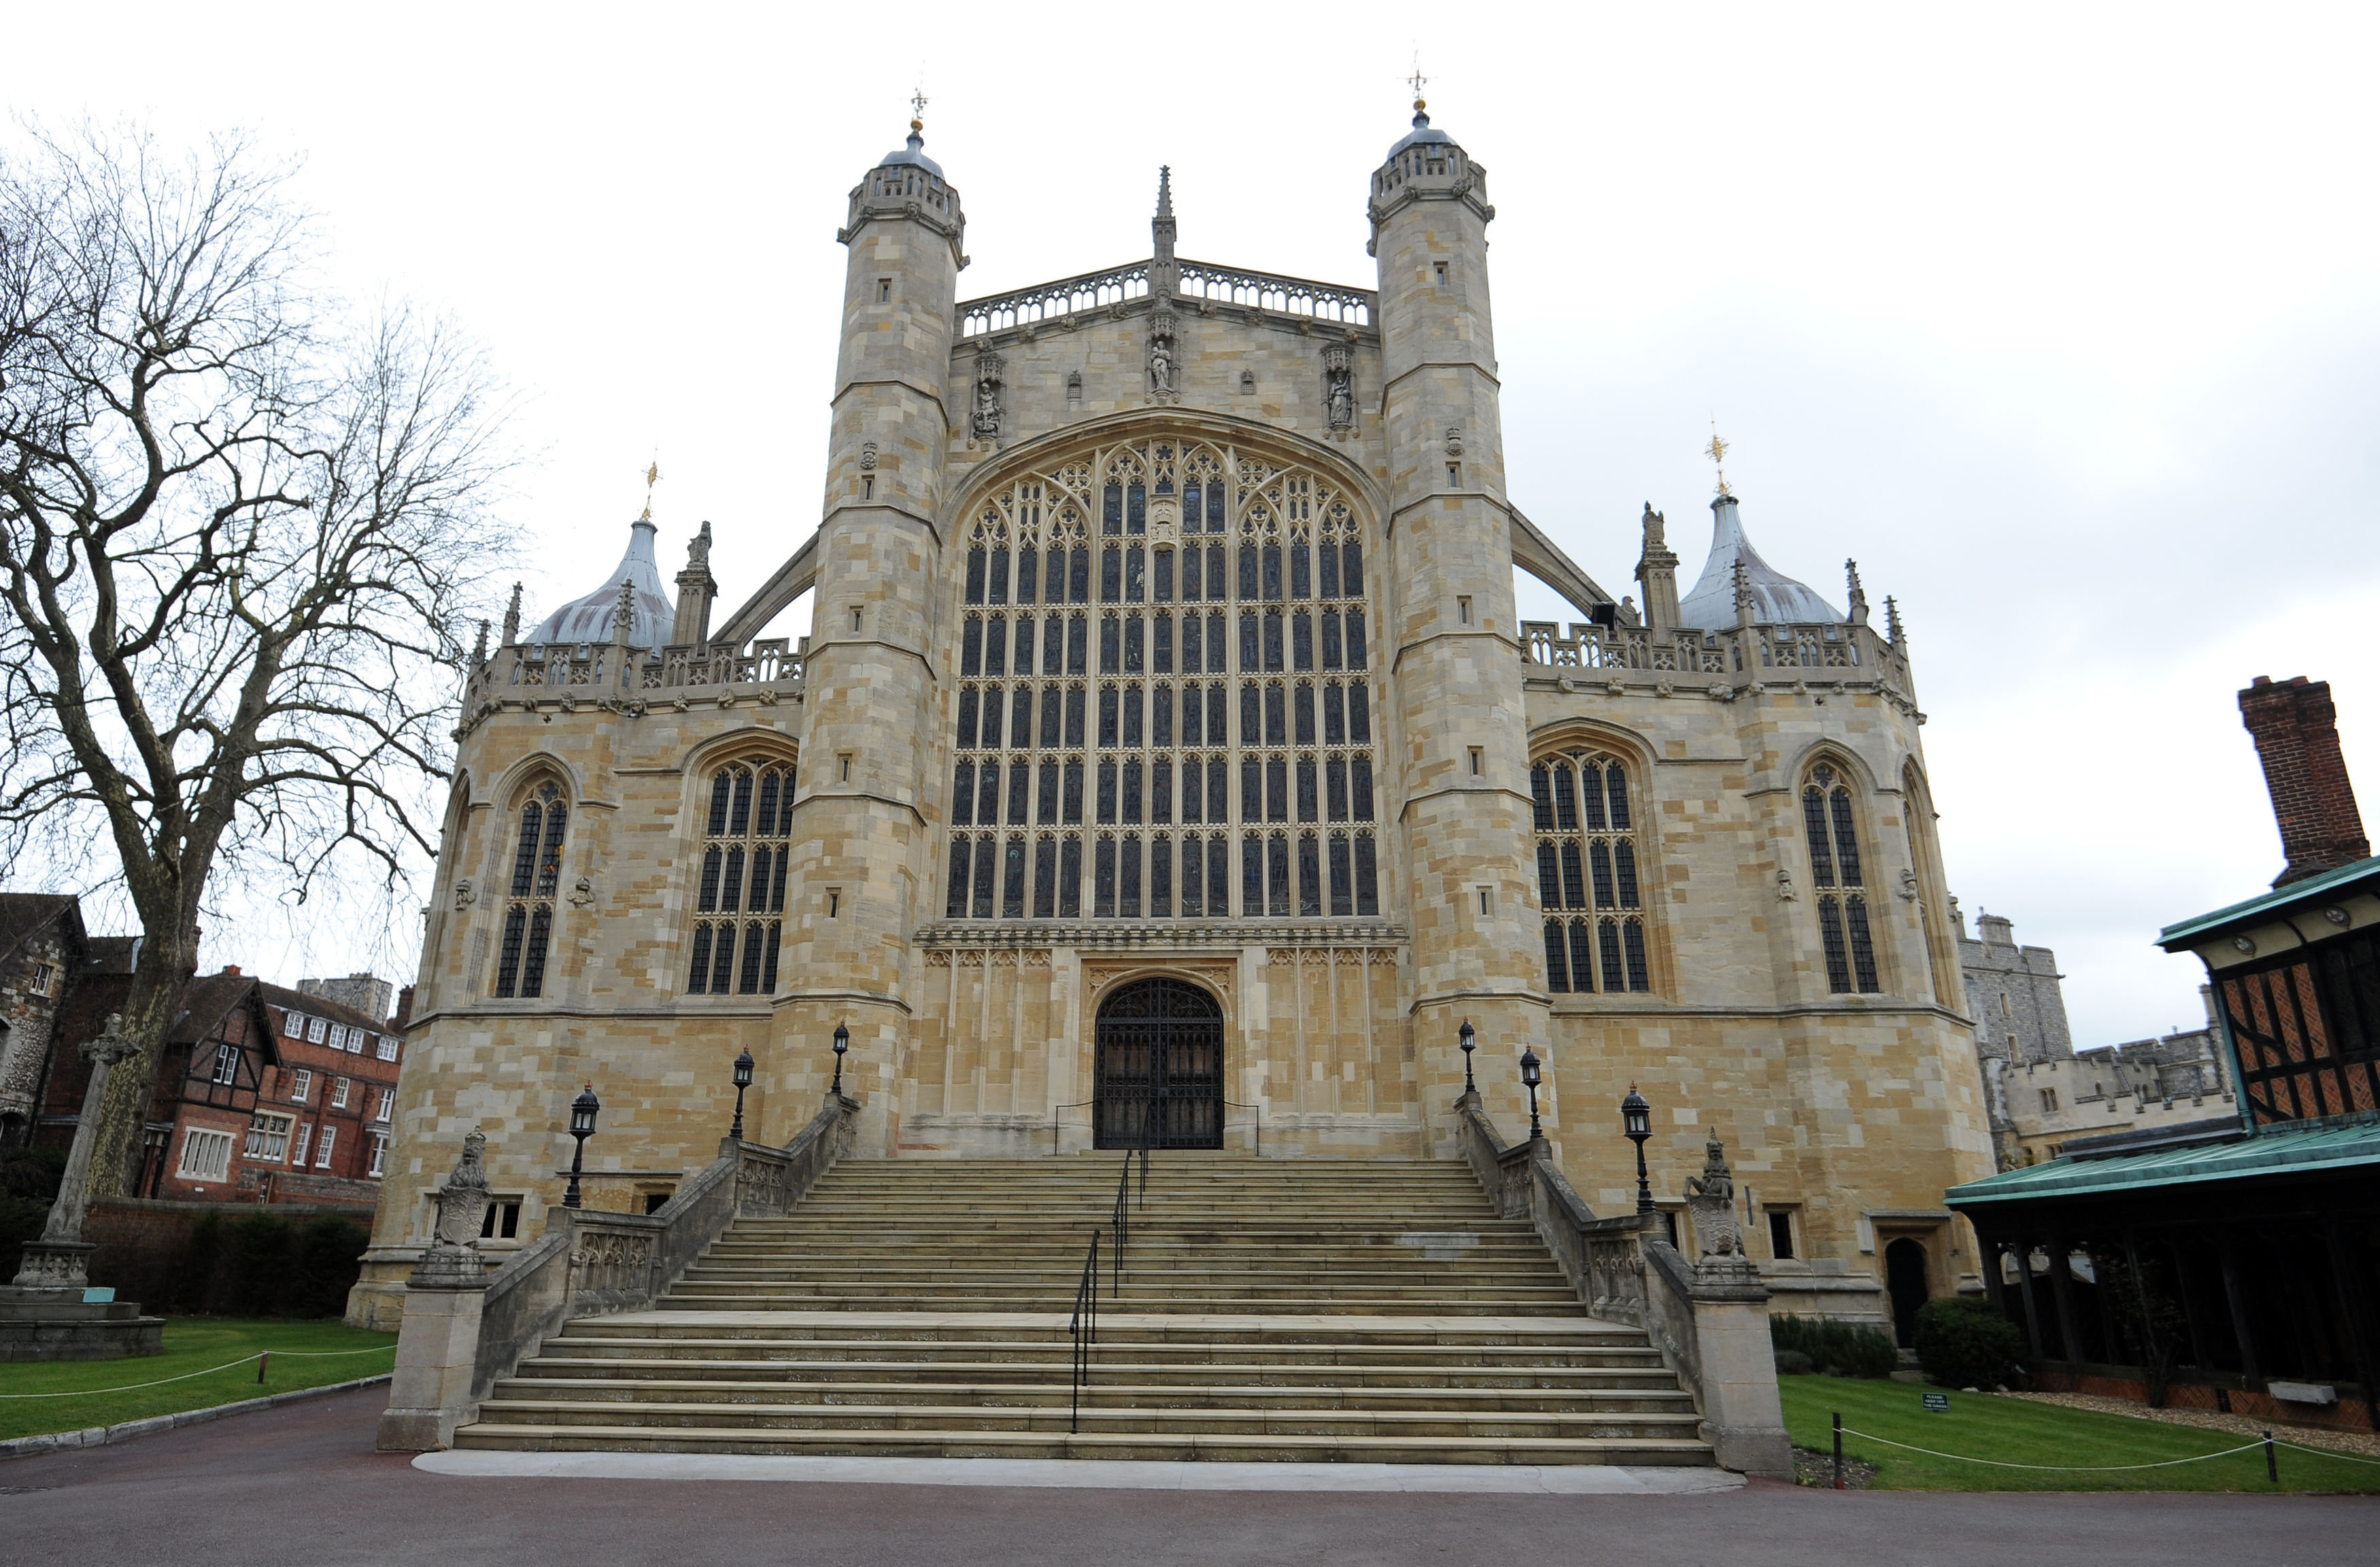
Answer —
1160 1065
1904 1280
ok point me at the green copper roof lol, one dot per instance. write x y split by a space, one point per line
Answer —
2330 882
2279 1150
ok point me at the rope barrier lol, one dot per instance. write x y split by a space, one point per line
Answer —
136 1386
2060 1468
2326 1453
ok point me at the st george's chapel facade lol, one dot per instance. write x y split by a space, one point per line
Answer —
1167 759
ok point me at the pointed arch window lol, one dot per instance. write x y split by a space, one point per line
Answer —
739 898
1836 869
529 909
1588 881
1121 707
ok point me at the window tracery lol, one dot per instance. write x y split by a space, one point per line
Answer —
1831 828
740 892
1589 884
529 912
1164 694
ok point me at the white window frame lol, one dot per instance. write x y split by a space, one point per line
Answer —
293 1024
268 1137
227 1072
357 1039
378 1156
387 1103
302 1085
316 1029
210 1145
387 1047
339 1093
45 975
297 1149
324 1144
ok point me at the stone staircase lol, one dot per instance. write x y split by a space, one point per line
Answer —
1287 1310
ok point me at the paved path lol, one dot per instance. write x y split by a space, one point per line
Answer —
301 1485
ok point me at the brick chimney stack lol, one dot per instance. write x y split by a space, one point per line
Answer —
2296 730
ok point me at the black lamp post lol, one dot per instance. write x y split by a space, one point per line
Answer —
1636 1119
1468 1086
582 1126
743 1081
842 1043
1529 1074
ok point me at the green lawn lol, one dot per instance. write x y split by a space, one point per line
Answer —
192 1343
2016 1430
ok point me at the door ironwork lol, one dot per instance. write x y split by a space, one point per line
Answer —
1159 1066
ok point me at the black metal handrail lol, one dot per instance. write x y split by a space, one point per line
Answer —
1120 1216
1085 1330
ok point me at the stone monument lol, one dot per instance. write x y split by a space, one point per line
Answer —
48 1313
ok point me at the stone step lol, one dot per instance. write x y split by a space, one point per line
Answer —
1183 1330
1112 1390
1140 1370
1169 1447
1096 1414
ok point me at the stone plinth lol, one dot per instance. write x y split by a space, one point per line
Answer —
39 1324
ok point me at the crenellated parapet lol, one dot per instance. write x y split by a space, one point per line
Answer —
1726 662
766 670
908 186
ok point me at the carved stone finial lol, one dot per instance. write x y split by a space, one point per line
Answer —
111 1047
453 1261
1858 593
480 648
697 554
512 618
624 613
1655 529
1744 613
1891 620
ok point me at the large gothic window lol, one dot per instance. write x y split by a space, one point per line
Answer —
1164 704
739 897
1835 867
1587 878
530 910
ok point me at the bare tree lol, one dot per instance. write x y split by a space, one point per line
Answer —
238 536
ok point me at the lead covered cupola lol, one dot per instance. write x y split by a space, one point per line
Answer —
591 618
1776 599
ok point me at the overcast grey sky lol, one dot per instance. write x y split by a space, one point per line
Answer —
2061 318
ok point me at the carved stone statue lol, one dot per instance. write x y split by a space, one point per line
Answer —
453 1261
583 892
1711 1195
1160 368
464 896
1339 387
1785 892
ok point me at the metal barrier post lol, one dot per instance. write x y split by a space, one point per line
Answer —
1839 1450
2271 1463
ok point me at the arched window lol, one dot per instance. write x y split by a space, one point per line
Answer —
1587 874
529 913
1836 870
1188 663
739 899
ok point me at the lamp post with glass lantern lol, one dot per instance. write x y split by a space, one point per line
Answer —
842 1043
743 1081
582 1126
1464 1032
1636 1120
1529 1074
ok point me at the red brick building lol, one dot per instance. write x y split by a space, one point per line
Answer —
323 1117
264 1095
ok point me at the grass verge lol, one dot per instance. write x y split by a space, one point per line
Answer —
305 1354
2021 1431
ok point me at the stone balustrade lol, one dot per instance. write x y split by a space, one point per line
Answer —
1201 285
1710 1319
526 670
462 1333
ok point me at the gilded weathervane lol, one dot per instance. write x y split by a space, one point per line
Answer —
652 477
1717 450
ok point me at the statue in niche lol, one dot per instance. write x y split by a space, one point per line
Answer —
1160 368
984 425
1339 387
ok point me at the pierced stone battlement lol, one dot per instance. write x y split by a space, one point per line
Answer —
1201 284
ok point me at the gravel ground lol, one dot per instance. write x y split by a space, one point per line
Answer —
2357 1444
1813 1468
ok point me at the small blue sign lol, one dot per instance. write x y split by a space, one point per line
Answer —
98 1294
